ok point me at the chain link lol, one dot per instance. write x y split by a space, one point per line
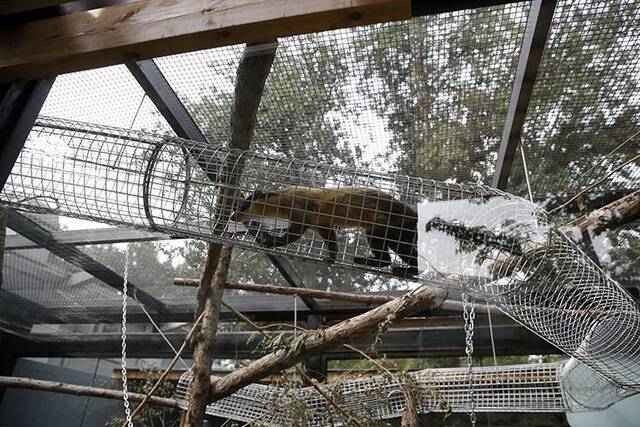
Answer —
125 391
469 314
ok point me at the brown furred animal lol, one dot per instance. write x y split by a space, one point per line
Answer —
389 224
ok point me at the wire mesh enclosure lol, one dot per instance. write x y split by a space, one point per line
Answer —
519 388
494 245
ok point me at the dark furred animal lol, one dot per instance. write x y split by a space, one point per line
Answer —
389 224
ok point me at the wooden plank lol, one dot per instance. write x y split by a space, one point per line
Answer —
151 28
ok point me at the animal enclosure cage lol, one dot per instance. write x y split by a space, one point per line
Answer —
545 387
486 242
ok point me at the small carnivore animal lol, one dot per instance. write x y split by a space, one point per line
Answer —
389 224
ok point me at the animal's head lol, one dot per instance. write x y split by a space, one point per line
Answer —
252 207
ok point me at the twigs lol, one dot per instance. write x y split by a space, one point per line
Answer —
299 370
168 369
333 336
600 181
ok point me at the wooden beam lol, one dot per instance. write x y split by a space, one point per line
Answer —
151 28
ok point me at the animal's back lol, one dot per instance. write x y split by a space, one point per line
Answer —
350 206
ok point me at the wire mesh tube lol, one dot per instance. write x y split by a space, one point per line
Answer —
520 388
497 246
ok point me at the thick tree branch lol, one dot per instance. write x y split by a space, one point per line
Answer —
315 342
252 73
80 390
622 211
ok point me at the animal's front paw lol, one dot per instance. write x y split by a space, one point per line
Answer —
265 239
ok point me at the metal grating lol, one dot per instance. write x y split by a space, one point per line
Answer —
519 388
425 97
585 101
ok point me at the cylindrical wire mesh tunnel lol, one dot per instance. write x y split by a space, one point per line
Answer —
495 245
543 387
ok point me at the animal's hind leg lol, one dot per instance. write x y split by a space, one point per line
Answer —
329 236
379 250
406 248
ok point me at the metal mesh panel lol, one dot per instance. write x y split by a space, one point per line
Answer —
585 101
520 388
494 245
426 96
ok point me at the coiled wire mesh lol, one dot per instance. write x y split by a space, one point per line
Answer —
496 246
519 388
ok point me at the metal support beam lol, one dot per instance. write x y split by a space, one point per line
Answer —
291 276
96 236
158 89
38 234
20 104
424 342
8 361
535 38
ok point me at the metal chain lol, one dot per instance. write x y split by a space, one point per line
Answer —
469 314
125 391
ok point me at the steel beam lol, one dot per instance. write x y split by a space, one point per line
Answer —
423 342
291 276
20 104
98 236
41 236
535 38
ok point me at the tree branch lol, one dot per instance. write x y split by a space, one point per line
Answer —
621 211
251 76
314 342
284 290
80 390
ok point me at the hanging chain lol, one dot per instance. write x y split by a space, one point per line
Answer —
469 314
125 391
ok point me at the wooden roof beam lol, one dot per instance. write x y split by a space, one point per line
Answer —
151 28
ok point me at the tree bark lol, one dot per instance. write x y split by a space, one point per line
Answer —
616 213
317 341
80 390
283 290
251 76
410 417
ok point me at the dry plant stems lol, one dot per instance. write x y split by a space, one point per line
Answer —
78 390
600 181
168 369
333 336
349 417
